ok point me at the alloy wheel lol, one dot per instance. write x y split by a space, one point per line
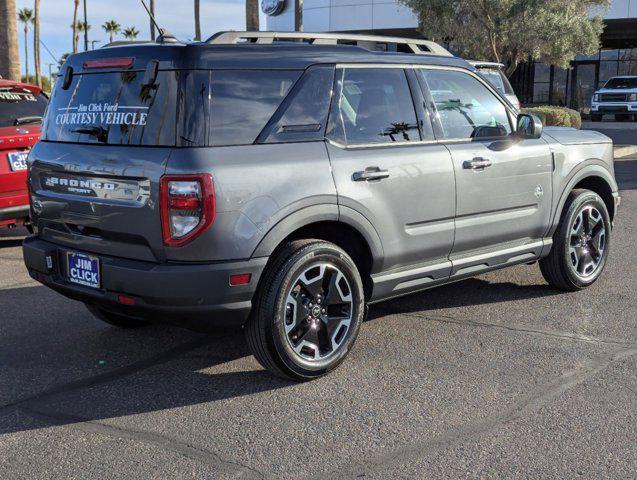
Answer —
587 241
318 312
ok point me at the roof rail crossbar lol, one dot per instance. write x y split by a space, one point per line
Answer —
416 46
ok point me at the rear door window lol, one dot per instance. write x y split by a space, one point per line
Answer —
20 106
243 101
114 109
375 106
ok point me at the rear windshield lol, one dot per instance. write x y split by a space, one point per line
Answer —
115 109
622 83
20 106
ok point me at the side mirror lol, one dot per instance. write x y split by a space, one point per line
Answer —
529 127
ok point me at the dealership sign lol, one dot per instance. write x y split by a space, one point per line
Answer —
272 7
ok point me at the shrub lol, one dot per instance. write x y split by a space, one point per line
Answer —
556 116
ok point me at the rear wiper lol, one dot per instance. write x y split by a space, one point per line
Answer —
98 132
27 120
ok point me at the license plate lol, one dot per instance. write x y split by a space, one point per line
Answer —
83 269
18 161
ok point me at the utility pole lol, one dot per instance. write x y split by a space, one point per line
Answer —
85 29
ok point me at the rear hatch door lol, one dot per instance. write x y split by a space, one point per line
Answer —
107 138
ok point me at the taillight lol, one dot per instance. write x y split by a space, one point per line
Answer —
187 207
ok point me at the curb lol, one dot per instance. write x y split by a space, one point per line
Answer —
625 150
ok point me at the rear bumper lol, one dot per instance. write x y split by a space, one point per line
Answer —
190 295
14 212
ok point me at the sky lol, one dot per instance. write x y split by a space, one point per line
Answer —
175 15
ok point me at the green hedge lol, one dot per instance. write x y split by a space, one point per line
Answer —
556 116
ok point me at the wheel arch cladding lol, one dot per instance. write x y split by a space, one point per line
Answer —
366 254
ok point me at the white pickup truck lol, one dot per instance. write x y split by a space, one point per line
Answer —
618 97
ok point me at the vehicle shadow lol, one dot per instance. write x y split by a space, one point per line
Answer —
470 292
13 237
177 367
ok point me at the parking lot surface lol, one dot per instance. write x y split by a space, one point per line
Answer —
493 377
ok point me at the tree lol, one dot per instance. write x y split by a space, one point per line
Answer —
76 37
152 24
36 42
197 22
111 28
82 27
130 33
252 15
512 31
9 55
26 15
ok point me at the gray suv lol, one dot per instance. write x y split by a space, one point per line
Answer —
284 182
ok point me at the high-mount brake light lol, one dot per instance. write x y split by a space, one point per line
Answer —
187 207
125 62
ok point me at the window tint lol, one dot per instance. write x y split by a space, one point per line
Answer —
243 101
20 106
618 82
115 109
375 106
305 116
465 107
194 108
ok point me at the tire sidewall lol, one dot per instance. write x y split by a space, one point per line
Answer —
321 253
582 200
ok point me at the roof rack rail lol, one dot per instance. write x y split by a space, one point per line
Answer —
416 46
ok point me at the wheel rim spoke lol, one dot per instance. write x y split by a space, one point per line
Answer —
318 312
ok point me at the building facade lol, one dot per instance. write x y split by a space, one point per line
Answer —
534 82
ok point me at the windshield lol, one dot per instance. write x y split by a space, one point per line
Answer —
20 106
618 82
498 79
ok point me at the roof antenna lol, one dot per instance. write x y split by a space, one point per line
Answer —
164 35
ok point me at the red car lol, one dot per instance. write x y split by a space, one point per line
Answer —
21 109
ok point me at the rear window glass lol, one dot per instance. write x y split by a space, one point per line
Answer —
20 106
498 79
115 109
242 102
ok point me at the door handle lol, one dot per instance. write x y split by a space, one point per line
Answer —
370 173
477 163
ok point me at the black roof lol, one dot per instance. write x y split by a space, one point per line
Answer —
283 55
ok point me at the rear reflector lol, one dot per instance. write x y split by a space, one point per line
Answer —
240 279
126 62
124 300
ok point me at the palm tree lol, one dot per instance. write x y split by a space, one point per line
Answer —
36 42
130 33
25 15
197 22
252 15
81 27
9 55
74 25
112 28
152 25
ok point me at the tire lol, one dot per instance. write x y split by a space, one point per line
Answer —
120 321
580 247
301 328
596 118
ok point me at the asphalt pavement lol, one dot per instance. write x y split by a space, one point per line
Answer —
494 377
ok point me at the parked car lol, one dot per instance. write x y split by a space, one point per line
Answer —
285 186
21 109
494 73
618 97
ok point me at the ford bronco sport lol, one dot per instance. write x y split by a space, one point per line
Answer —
283 182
